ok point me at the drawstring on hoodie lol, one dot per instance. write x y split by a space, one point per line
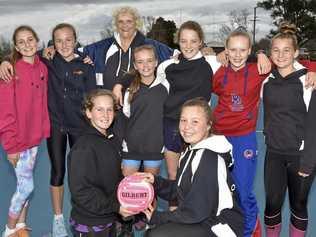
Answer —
120 61
119 64
129 58
185 166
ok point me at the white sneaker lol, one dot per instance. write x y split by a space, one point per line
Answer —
59 229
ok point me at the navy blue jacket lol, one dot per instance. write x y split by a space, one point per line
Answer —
111 62
68 82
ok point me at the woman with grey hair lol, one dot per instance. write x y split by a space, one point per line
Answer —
112 57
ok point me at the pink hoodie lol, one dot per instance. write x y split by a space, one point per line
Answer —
24 120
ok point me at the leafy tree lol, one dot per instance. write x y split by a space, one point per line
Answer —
263 43
237 20
148 22
300 12
163 31
5 48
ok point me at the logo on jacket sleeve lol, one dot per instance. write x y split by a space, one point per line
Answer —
248 153
77 72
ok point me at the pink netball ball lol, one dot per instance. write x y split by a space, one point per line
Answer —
134 193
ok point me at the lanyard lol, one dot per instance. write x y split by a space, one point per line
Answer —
246 72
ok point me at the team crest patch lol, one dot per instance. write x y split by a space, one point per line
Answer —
236 103
248 153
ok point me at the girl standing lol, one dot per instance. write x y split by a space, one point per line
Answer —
189 76
238 88
286 109
94 171
24 122
143 106
203 180
69 80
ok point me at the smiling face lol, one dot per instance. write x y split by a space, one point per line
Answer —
102 113
126 25
145 63
26 44
283 53
65 42
238 49
194 125
189 42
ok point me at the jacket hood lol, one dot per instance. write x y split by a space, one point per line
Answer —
216 143
93 131
275 74
78 58
116 47
137 41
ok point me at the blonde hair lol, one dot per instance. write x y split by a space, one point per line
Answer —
287 31
127 10
236 34
135 85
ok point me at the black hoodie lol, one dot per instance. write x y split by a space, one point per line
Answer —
285 104
94 172
188 79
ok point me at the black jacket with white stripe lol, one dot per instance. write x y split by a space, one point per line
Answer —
204 190
289 116
143 139
286 103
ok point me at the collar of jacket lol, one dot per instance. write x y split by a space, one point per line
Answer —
93 131
27 64
138 39
77 58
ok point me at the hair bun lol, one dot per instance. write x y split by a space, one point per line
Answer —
286 27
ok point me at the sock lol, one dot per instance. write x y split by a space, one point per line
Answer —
20 225
57 217
8 231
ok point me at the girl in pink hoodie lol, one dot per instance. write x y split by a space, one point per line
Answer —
24 122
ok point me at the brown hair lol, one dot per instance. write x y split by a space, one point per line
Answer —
190 25
203 104
287 31
15 54
88 101
135 85
64 25
237 33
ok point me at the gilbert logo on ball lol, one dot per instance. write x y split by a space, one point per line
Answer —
134 193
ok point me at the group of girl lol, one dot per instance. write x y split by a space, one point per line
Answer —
42 101
165 113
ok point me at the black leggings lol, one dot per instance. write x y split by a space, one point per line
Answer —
183 230
56 147
280 173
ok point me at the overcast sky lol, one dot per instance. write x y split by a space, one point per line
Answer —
90 16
